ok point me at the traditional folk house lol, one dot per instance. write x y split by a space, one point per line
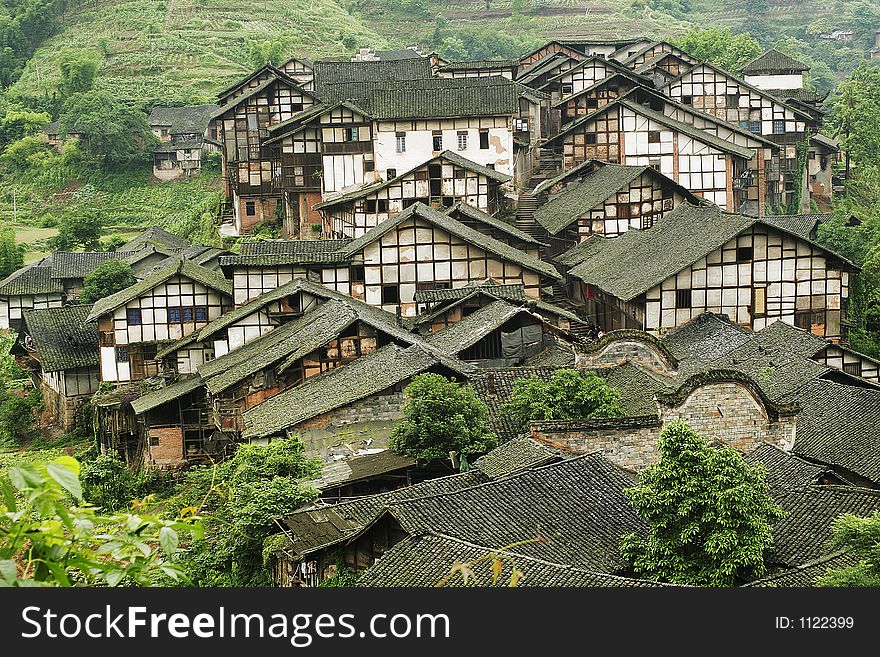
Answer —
176 300
605 199
184 137
700 259
31 287
663 67
367 472
823 153
480 69
774 70
246 110
501 511
70 268
594 96
301 70
712 90
584 74
713 162
653 50
422 249
440 182
65 347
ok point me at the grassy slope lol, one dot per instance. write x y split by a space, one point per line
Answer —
188 49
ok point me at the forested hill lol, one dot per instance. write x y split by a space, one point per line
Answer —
185 50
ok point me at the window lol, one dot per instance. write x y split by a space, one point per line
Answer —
567 89
391 173
186 314
683 298
201 313
369 165
654 164
592 103
400 142
590 138
759 301
462 140
174 315
369 207
357 274
122 354
653 136
390 294
250 208
732 101
437 139
382 205
484 139
687 100
745 253
648 221
778 126
350 134
133 315
852 368
252 124
755 126
421 175
154 441
164 132
623 211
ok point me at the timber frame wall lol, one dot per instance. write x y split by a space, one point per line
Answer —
130 336
12 306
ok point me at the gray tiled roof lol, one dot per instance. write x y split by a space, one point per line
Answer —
157 236
513 292
487 221
772 61
542 66
286 252
480 64
516 454
803 225
329 73
30 280
361 378
784 469
183 120
473 328
633 263
79 264
358 467
805 534
704 339
805 575
180 266
578 504
579 198
170 392
63 338
838 424
427 559
458 229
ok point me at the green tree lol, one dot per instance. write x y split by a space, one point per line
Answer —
709 514
262 52
441 416
16 124
862 537
720 46
45 540
110 132
78 71
108 278
107 482
567 394
855 115
241 498
114 242
79 229
11 254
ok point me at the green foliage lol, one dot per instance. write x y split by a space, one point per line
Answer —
47 541
568 394
855 112
78 71
79 230
114 242
108 278
709 514
20 402
108 482
720 46
16 124
441 416
262 52
241 497
343 577
24 24
11 254
111 133
862 537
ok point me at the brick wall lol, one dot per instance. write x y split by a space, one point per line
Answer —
60 408
730 413
725 411
372 417
169 452
619 351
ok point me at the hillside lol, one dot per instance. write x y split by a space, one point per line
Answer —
185 50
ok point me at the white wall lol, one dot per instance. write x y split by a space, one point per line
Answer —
791 81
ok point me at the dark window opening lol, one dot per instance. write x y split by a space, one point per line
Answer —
623 211
173 315
201 313
392 173
369 165
133 315
653 136
484 139
121 354
732 101
357 274
154 441
250 208
382 205
592 103
370 207
683 298
390 294
437 138
778 126
590 138
745 253
853 368
187 314
687 100
567 89
755 126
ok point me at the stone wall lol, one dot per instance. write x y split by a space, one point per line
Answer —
628 442
729 412
60 409
372 417
619 351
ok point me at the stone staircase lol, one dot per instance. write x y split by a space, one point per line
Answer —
525 215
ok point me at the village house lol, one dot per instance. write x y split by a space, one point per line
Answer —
701 259
64 348
31 287
174 301
184 138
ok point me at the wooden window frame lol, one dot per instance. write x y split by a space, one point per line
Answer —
133 316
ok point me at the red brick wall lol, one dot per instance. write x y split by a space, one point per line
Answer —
169 451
